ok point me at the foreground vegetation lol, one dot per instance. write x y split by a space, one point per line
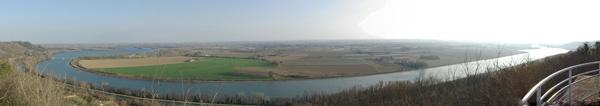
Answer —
20 89
206 69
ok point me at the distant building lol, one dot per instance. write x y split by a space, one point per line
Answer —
192 59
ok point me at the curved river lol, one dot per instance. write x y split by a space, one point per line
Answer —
58 66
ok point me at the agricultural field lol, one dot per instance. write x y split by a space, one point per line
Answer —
300 59
207 69
113 63
326 70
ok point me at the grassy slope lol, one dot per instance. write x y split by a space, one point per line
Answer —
209 68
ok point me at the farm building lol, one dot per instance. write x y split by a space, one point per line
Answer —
192 59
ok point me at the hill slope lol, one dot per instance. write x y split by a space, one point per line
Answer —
24 88
19 51
572 45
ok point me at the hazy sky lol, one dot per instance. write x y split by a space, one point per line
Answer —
137 21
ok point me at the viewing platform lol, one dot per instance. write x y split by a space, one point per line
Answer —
576 85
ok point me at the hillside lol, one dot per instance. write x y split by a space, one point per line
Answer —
29 87
25 88
20 51
572 45
19 48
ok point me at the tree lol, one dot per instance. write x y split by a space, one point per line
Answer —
429 57
89 98
412 64
4 68
597 44
584 49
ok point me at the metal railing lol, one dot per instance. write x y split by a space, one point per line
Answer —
557 95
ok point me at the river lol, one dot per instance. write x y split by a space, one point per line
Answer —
59 68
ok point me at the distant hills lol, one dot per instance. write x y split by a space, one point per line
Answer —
574 45
19 49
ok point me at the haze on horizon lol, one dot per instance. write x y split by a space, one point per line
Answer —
155 21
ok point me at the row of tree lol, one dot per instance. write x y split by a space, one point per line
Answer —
429 57
96 57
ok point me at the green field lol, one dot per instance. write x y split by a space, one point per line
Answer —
208 68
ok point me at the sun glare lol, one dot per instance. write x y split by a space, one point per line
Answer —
533 21
387 22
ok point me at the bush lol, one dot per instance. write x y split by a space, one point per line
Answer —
253 71
77 100
25 89
429 57
412 64
89 98
4 68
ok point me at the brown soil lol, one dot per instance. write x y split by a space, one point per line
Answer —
111 63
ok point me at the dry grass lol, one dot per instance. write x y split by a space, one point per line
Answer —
21 89
25 88
112 63
583 89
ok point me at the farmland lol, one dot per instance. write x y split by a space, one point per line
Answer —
207 69
295 59
113 63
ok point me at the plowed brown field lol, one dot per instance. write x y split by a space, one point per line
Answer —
112 63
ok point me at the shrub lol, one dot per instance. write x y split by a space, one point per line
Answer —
254 71
412 63
429 57
24 89
77 100
4 68
89 98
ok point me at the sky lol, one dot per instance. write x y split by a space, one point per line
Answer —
162 21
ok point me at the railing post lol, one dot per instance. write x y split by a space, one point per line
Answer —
598 80
570 83
538 97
